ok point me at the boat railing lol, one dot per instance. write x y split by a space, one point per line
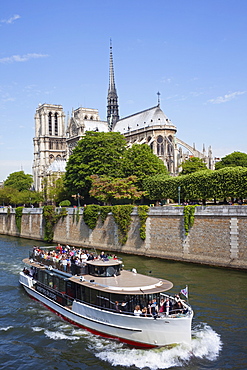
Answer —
72 269
66 300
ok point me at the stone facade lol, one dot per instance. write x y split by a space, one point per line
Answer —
151 126
218 236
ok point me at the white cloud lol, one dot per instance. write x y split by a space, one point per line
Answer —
22 58
226 98
166 80
11 19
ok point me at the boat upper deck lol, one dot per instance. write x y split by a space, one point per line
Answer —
128 282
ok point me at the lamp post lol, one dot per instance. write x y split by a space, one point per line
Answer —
179 189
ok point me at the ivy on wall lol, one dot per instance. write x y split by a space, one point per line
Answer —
189 216
90 215
77 214
18 217
143 215
51 217
104 210
122 218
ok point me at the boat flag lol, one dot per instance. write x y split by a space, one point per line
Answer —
185 291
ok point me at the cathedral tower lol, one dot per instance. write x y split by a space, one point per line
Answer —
112 98
49 141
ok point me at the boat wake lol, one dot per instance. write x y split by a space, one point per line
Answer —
206 344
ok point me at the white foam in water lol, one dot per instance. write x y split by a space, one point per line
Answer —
6 329
36 328
56 335
206 344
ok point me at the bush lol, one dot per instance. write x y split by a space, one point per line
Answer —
65 203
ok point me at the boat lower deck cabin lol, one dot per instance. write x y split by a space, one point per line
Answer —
103 284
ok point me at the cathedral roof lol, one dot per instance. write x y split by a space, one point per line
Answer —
58 165
150 117
91 125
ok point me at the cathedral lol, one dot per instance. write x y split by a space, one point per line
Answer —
55 139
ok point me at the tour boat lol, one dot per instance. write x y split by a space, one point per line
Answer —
105 299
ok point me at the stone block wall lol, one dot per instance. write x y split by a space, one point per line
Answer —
217 237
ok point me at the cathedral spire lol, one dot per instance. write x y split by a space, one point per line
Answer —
112 98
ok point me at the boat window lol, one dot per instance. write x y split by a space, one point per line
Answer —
103 299
87 295
93 296
104 270
50 280
80 292
70 289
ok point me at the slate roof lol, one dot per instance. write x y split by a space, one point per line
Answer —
150 117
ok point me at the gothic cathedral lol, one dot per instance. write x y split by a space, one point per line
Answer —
53 144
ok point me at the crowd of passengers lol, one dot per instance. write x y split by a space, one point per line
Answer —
67 256
167 306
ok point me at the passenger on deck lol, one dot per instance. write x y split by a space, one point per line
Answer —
124 306
103 256
116 306
167 306
144 311
25 271
137 311
162 306
153 309
90 257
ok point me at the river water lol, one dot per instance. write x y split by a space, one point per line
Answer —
32 337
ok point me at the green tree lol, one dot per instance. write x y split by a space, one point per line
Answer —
191 165
106 189
19 180
5 195
140 161
234 159
97 153
29 197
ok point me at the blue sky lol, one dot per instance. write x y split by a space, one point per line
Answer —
193 52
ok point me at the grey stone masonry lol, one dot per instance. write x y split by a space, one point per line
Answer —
217 237
234 238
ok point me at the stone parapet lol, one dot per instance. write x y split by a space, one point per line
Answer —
218 236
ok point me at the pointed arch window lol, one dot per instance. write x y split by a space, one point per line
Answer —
50 123
160 145
56 124
151 144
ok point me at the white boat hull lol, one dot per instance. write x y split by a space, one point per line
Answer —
145 332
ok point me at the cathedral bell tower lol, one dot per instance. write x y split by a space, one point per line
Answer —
49 141
112 98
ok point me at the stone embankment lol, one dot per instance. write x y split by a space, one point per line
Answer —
218 236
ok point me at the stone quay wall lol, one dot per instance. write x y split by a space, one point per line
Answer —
218 236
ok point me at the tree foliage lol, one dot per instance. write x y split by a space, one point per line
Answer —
140 161
54 189
19 181
201 185
234 159
191 165
97 153
14 197
106 189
